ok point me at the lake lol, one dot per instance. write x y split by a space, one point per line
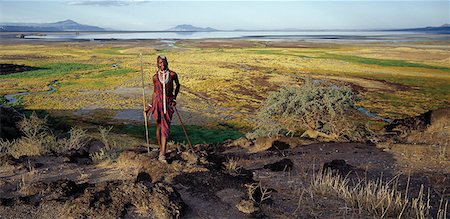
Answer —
325 35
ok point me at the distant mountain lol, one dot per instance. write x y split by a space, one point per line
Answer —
67 25
190 28
443 29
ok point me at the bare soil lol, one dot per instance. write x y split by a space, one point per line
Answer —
196 184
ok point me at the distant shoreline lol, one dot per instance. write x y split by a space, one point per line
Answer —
337 36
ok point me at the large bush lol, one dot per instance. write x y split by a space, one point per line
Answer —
315 106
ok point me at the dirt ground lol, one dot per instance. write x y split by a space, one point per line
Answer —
197 184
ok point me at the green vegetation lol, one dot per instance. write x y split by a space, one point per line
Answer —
381 62
114 72
111 51
197 134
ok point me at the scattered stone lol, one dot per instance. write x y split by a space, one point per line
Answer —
146 163
282 165
189 157
278 146
338 166
7 202
242 142
94 146
420 122
247 207
166 202
115 198
143 177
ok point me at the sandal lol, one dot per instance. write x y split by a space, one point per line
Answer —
162 159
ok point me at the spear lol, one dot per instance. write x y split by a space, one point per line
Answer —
182 125
143 102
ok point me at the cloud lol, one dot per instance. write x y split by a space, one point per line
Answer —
107 2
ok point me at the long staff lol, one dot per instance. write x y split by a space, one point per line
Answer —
143 102
182 125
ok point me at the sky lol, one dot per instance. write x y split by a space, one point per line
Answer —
228 15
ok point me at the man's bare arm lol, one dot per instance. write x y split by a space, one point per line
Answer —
177 83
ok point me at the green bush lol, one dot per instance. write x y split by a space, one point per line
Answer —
313 106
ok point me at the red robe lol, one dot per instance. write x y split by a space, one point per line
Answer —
157 110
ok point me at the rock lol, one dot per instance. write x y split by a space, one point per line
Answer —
166 202
189 157
113 200
278 146
337 166
282 165
247 207
313 134
262 144
7 202
143 177
242 142
420 122
148 164
82 154
94 146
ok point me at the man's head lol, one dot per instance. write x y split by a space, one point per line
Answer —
161 63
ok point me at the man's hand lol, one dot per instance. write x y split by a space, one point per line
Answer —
174 102
148 108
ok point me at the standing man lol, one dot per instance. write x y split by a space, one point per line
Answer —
163 100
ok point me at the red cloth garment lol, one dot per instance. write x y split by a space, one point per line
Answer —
157 110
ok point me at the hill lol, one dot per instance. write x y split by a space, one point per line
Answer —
190 28
443 29
67 25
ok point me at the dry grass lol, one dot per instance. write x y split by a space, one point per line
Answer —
75 141
37 139
104 156
104 134
232 165
438 133
258 193
379 198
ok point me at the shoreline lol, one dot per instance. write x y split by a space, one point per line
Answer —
272 36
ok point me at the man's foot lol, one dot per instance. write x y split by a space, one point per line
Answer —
162 159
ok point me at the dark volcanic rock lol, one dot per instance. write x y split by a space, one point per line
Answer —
115 198
278 146
337 166
282 165
82 155
420 122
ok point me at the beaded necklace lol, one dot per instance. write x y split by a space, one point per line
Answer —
164 79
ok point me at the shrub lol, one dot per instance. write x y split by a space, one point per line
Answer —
312 106
75 140
37 139
104 134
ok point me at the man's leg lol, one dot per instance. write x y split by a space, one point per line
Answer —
163 146
158 135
